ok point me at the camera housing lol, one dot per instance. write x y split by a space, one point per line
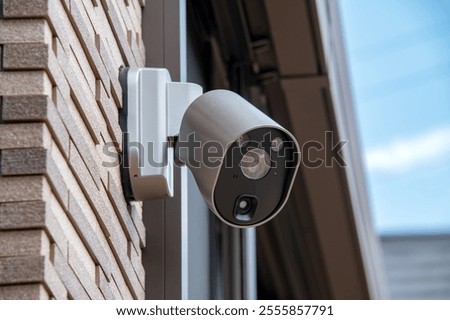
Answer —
244 163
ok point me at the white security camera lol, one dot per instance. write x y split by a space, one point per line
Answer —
244 163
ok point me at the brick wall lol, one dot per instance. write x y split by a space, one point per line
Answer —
65 228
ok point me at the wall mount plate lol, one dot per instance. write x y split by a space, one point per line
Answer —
153 107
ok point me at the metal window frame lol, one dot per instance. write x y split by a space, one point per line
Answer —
184 257
166 256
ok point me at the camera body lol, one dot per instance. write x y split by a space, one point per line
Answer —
244 163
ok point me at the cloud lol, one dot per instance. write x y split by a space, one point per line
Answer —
406 154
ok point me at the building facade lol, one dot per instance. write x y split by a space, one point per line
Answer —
66 229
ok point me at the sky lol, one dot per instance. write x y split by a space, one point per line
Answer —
398 54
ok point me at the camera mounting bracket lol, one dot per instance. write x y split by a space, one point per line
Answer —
153 107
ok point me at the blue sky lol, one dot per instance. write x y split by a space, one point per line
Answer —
399 59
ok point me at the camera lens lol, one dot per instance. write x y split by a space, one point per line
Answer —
245 207
255 164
